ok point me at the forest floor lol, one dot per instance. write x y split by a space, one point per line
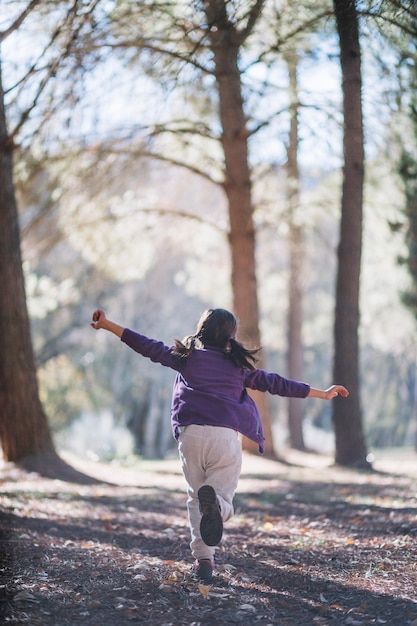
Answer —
310 545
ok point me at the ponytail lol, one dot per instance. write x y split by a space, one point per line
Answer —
216 328
185 347
241 356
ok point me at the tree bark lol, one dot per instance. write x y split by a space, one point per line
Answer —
407 170
225 43
24 428
295 290
347 414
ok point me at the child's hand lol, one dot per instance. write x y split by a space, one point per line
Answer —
336 390
99 319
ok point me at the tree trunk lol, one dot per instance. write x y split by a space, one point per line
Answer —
408 172
296 240
347 415
24 428
225 44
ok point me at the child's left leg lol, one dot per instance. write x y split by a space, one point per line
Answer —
223 466
210 455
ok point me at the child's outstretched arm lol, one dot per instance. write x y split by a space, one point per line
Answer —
278 385
328 394
154 350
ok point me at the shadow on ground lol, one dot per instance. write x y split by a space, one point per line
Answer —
297 553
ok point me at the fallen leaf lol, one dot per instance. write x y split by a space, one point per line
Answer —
323 598
173 578
204 590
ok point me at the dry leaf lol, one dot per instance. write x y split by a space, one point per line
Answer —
204 590
173 578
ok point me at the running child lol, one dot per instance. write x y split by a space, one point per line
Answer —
210 407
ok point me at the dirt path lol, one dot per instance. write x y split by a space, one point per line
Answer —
308 546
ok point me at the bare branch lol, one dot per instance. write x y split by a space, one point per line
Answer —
143 152
19 20
281 41
390 20
145 45
261 125
31 71
54 36
399 5
157 210
53 66
189 128
252 15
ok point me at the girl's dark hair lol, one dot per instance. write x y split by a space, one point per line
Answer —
217 328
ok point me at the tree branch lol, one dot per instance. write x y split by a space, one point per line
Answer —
252 15
33 69
18 21
54 65
159 211
390 20
281 41
199 128
261 125
398 4
144 45
159 157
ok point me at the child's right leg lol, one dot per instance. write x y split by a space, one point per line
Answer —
210 455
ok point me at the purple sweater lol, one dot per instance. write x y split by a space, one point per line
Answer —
210 389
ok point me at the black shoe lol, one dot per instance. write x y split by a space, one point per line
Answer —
211 525
203 569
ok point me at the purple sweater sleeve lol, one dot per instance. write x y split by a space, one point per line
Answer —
154 350
275 384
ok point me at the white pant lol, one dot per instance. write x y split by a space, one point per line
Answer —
210 455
